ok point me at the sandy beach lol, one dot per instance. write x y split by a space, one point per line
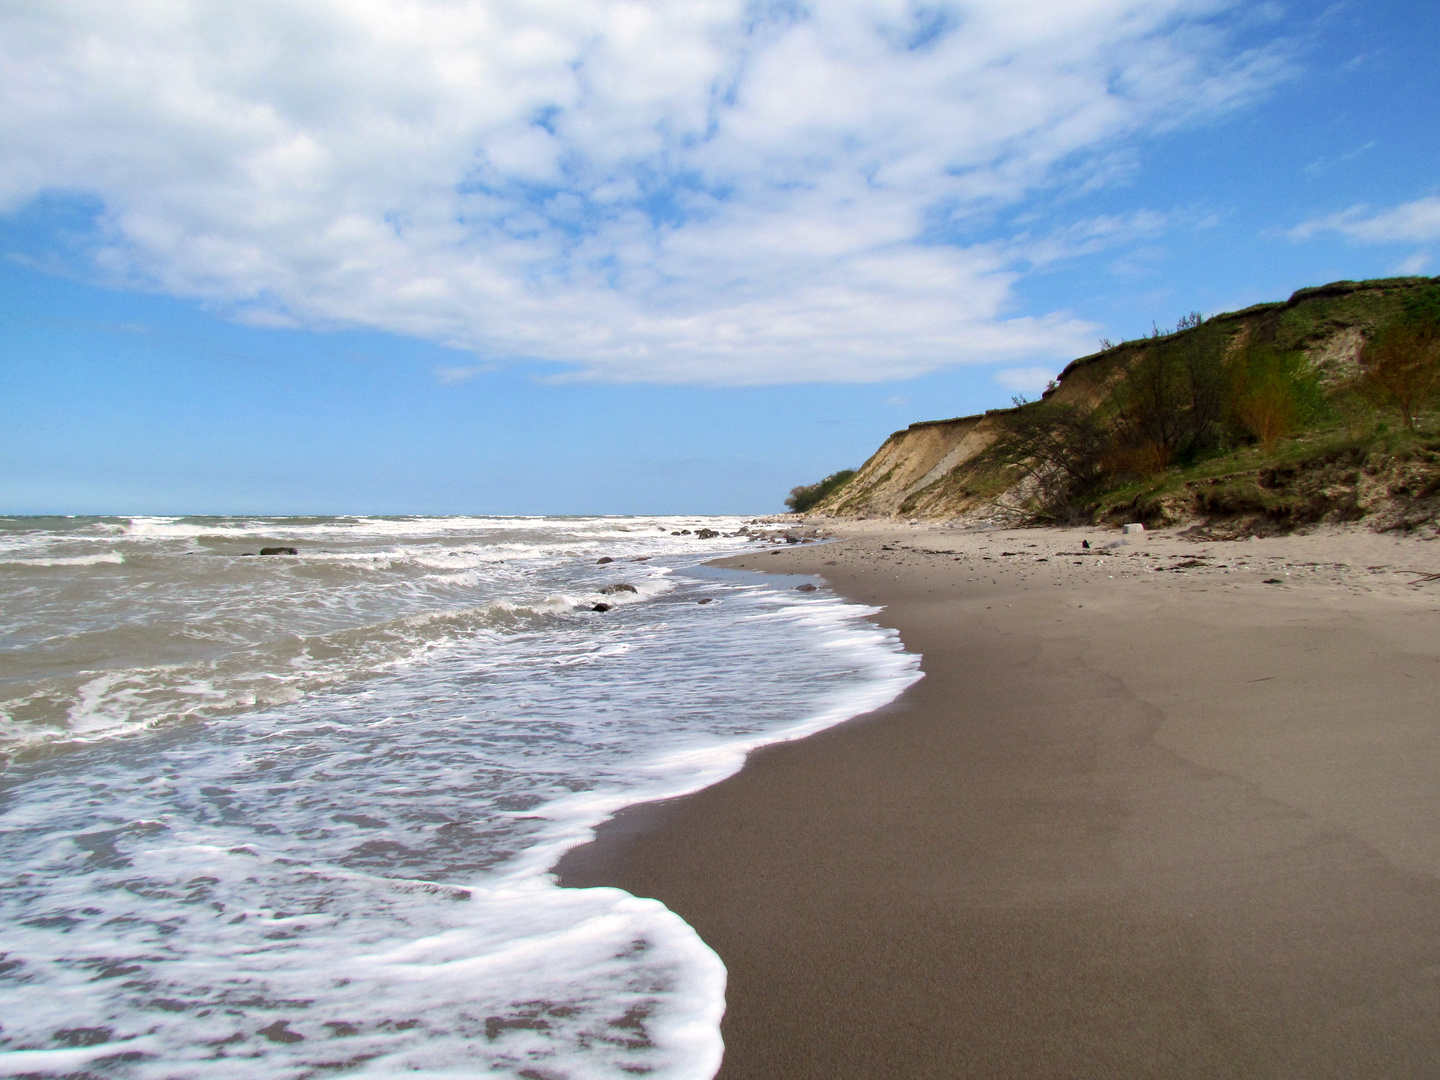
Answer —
1158 808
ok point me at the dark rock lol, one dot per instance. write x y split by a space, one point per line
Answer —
84 1036
706 534
807 587
1272 581
1085 544
706 600
601 607
684 532
603 560
280 1032
279 551
247 554
611 590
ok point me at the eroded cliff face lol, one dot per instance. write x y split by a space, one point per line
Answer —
936 469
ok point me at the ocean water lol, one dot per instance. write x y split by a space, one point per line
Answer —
283 817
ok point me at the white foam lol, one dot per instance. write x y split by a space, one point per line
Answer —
108 557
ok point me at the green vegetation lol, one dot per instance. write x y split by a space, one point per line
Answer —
1238 414
1400 365
802 498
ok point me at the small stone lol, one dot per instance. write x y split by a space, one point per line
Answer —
807 587
706 600
603 560
611 590
601 607
279 551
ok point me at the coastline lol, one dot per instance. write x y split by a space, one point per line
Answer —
1139 818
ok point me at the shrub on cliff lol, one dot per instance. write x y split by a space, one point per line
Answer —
1400 365
1064 450
1168 403
1272 392
805 496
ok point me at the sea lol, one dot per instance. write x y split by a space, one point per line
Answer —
285 816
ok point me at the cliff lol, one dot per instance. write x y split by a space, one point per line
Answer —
939 469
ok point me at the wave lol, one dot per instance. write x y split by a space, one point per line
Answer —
83 708
109 557
365 877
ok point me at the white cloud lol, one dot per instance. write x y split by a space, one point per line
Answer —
1028 380
1412 222
706 191
449 376
1089 236
1414 265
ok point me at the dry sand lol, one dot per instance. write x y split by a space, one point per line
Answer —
1140 818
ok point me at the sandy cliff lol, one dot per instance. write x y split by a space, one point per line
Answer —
937 469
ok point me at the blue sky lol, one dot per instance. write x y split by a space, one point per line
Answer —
488 256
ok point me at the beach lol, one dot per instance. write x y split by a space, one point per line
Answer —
1157 808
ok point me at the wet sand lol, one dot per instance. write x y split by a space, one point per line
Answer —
1139 819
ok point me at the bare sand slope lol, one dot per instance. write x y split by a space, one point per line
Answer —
1139 819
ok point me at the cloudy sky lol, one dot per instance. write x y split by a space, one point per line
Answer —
529 256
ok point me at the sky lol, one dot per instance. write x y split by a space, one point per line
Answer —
603 257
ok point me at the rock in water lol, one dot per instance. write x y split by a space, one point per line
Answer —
611 590
807 587
706 600
601 607
706 534
279 551
603 560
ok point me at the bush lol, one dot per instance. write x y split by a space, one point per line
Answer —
1063 448
802 498
1400 365
1273 392
1168 403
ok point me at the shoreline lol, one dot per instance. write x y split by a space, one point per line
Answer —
1139 818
